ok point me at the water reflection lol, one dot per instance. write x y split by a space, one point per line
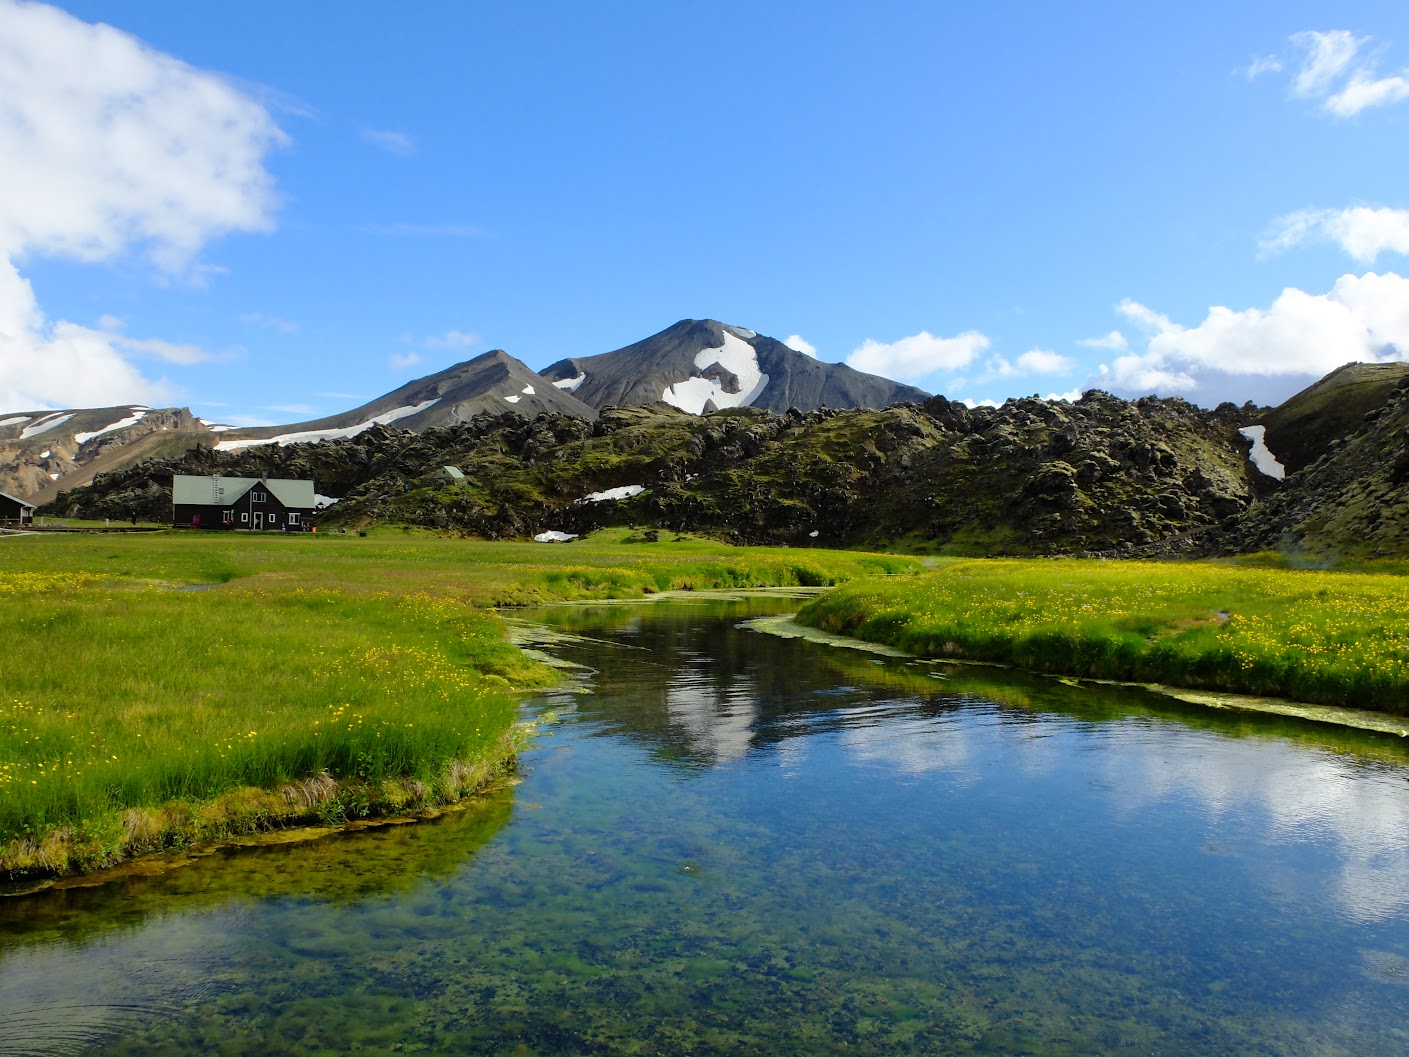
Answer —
85 964
711 707
751 845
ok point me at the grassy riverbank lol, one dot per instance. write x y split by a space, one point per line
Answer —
168 688
1322 637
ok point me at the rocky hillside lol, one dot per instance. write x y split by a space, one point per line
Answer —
1033 476
42 452
493 382
702 365
1353 499
1303 428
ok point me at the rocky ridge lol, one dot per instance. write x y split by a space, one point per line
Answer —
1101 475
1351 501
42 451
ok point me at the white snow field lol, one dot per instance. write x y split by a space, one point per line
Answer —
626 491
553 536
130 420
43 425
311 435
1260 455
570 384
737 357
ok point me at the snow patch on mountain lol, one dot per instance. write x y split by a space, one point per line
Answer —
626 491
738 358
554 536
25 418
44 425
311 435
570 384
130 420
529 390
512 399
1261 455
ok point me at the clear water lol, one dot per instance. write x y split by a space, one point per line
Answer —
747 845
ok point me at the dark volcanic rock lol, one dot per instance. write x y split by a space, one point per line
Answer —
1030 477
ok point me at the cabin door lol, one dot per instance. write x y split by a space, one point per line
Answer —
258 520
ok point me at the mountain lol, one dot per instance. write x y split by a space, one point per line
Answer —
1303 428
697 365
493 382
702 365
1352 500
1101 475
40 450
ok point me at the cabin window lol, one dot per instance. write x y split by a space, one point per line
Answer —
245 517
293 519
256 497
229 517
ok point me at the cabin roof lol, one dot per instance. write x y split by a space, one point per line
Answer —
17 499
453 472
189 490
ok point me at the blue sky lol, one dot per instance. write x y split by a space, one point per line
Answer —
271 211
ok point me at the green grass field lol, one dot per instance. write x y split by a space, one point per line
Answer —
164 688
1322 637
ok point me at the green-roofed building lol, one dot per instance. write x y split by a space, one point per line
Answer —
256 504
450 473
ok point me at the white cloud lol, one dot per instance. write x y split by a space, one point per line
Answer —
1364 91
1267 354
111 149
1043 361
998 367
259 319
1113 340
918 355
452 339
1071 396
798 343
398 143
1361 231
293 409
1144 317
163 350
1327 57
971 403
1262 64
1333 71
403 360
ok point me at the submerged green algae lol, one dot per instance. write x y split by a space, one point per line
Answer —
741 844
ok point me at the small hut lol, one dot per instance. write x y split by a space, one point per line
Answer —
14 511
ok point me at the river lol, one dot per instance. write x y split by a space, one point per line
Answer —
743 844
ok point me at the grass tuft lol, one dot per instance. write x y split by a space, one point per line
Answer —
1315 636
